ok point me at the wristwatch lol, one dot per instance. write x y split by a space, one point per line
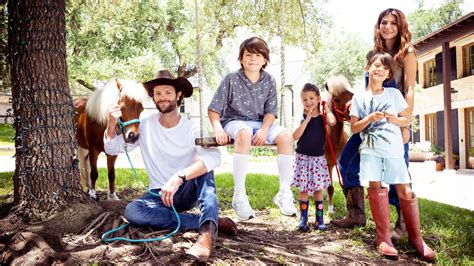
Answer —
182 175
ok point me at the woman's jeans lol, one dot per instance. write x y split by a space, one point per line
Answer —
150 211
349 166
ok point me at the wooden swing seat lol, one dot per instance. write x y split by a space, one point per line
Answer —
212 142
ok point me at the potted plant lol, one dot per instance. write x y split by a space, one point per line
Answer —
440 162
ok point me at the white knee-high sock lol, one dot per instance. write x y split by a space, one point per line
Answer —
285 170
240 166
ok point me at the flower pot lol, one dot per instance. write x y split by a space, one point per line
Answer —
439 166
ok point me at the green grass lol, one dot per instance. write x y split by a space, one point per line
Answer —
449 230
6 183
7 134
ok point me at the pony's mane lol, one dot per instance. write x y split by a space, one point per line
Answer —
337 85
97 107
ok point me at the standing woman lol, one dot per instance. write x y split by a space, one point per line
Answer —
391 35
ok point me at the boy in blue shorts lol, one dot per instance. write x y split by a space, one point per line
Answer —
378 113
244 109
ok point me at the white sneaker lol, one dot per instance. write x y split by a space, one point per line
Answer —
286 203
242 207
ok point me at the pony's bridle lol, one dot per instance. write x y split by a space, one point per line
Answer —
341 115
122 125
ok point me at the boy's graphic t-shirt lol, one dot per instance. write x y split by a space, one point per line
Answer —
237 98
380 138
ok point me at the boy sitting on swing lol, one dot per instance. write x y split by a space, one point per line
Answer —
244 108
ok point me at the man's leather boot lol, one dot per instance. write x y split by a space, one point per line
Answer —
202 249
226 226
355 207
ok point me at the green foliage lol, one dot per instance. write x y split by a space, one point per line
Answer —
415 124
424 21
340 54
437 150
133 39
7 135
108 40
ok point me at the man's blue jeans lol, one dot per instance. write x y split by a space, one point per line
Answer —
349 166
149 210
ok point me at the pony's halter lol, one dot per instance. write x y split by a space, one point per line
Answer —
122 125
341 115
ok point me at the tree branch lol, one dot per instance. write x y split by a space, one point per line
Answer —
86 84
184 72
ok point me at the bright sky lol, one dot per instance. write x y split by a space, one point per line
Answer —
360 16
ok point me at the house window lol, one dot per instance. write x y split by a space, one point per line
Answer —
468 60
429 68
470 131
430 128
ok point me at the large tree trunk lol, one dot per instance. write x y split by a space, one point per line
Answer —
46 174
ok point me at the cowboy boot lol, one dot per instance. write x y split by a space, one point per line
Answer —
400 230
202 248
356 209
226 226
303 226
412 220
378 198
319 223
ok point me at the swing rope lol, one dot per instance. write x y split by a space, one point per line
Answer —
198 69
282 63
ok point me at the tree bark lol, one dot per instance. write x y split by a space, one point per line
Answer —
46 174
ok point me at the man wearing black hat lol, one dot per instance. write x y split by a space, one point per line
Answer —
176 167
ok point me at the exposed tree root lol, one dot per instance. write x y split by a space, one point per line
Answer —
263 241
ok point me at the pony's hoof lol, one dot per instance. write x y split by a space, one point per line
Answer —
112 196
92 194
330 209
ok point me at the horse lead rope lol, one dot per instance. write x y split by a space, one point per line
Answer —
323 103
143 240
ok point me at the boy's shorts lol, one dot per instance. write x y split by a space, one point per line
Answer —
235 126
388 170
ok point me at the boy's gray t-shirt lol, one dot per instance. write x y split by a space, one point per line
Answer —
238 99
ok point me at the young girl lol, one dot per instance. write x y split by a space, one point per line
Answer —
378 113
310 172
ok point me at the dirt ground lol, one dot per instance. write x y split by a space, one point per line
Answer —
268 239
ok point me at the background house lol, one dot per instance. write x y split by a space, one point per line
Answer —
445 105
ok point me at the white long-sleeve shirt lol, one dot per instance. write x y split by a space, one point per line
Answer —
165 151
